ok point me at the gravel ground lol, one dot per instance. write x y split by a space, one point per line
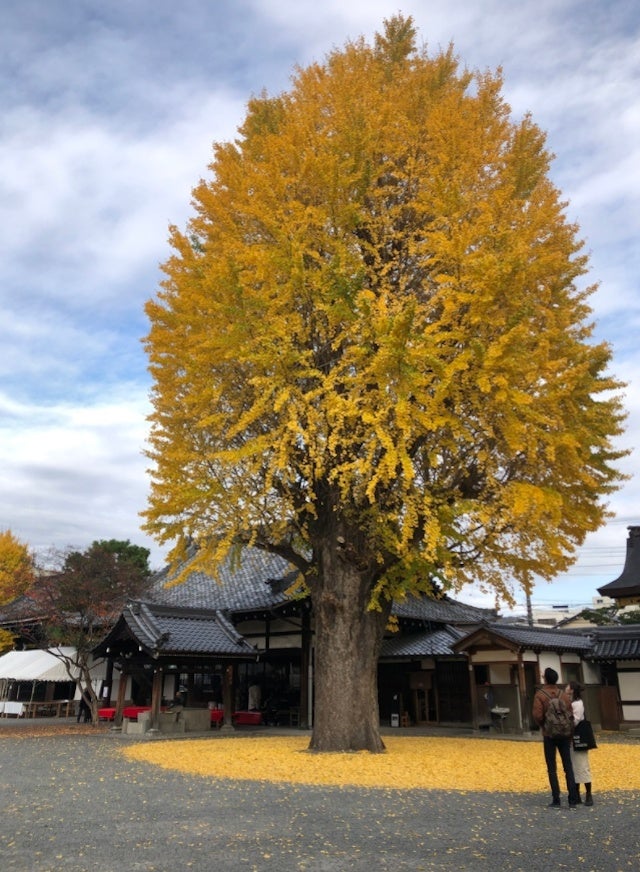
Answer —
71 802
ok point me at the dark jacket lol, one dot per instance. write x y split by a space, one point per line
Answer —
541 702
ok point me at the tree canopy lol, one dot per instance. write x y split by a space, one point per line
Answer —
372 351
16 574
89 588
77 601
610 616
16 567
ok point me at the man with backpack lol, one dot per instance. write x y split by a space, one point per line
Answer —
553 713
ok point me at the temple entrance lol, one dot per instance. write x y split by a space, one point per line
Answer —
452 681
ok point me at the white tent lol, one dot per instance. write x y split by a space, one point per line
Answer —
36 665
40 665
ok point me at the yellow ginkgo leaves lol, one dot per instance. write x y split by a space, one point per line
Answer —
426 763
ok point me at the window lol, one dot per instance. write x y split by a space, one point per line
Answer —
571 672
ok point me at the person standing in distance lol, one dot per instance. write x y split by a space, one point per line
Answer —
580 759
553 744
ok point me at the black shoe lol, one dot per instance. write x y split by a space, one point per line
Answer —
588 801
573 805
554 804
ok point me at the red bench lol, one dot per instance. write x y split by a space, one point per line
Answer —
132 711
252 718
246 718
106 714
217 715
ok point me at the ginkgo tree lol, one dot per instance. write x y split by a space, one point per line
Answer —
17 568
372 354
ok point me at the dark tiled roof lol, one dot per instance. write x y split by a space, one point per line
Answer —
627 585
165 630
542 637
616 643
536 638
20 610
440 611
260 581
437 643
248 586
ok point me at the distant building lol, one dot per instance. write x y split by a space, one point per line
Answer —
563 614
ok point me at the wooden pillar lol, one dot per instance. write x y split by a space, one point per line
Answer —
156 697
187 700
105 699
523 715
473 691
267 634
122 690
227 696
305 666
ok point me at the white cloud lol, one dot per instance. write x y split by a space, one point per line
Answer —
109 113
74 474
95 202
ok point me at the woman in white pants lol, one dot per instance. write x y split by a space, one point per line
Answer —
580 759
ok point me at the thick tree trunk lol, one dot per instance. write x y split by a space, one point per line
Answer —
347 644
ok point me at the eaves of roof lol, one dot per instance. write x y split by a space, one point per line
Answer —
627 586
621 588
616 643
523 638
22 610
615 649
441 610
426 644
167 630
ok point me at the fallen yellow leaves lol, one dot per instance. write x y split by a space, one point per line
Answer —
32 730
415 762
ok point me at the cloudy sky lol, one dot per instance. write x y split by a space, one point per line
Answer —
109 111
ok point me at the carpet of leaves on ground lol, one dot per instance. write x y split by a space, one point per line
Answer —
409 763
32 729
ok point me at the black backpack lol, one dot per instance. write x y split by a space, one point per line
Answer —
558 719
